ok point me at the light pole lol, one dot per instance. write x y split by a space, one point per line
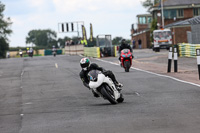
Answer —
163 23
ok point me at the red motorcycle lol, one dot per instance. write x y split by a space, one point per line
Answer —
126 59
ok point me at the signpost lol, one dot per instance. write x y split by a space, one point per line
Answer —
68 27
175 60
198 60
169 60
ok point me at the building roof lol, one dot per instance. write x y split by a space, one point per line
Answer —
180 2
141 15
191 21
179 23
171 4
195 20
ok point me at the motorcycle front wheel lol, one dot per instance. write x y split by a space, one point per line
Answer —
127 66
121 99
108 94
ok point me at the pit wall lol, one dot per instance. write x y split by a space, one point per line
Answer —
92 52
74 49
86 51
95 52
188 50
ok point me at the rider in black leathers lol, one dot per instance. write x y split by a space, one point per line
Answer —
87 67
124 45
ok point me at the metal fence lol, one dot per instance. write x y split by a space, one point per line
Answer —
105 44
196 34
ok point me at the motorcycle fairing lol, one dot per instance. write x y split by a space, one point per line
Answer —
103 79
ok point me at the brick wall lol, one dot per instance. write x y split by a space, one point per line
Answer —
145 37
180 34
188 13
142 27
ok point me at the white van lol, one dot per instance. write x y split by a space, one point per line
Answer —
162 38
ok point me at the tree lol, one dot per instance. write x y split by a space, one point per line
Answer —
116 40
63 41
149 3
153 27
4 32
76 39
42 38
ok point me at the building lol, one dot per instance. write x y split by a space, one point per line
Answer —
180 31
195 26
144 21
143 26
175 12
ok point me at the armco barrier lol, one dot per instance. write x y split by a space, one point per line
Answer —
188 50
49 52
92 52
16 53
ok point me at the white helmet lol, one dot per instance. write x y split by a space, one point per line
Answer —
85 63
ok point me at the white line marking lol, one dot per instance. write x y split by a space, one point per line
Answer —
154 73
81 55
137 93
22 73
56 65
27 103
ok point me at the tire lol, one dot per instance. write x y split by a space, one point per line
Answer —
108 94
127 66
157 49
121 99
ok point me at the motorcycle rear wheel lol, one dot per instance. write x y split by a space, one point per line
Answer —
108 94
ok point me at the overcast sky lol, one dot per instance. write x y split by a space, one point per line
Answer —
107 16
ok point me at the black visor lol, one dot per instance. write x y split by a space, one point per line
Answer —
85 65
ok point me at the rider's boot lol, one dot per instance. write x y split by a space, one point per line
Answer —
118 86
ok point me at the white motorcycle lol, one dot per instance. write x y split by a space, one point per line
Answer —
104 87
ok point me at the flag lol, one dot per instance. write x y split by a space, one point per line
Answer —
84 39
91 33
84 33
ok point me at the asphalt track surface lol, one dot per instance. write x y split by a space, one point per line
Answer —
46 95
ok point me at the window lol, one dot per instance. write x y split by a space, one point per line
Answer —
196 11
142 20
169 14
149 20
180 13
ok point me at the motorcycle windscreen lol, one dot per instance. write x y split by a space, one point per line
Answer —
125 51
93 75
